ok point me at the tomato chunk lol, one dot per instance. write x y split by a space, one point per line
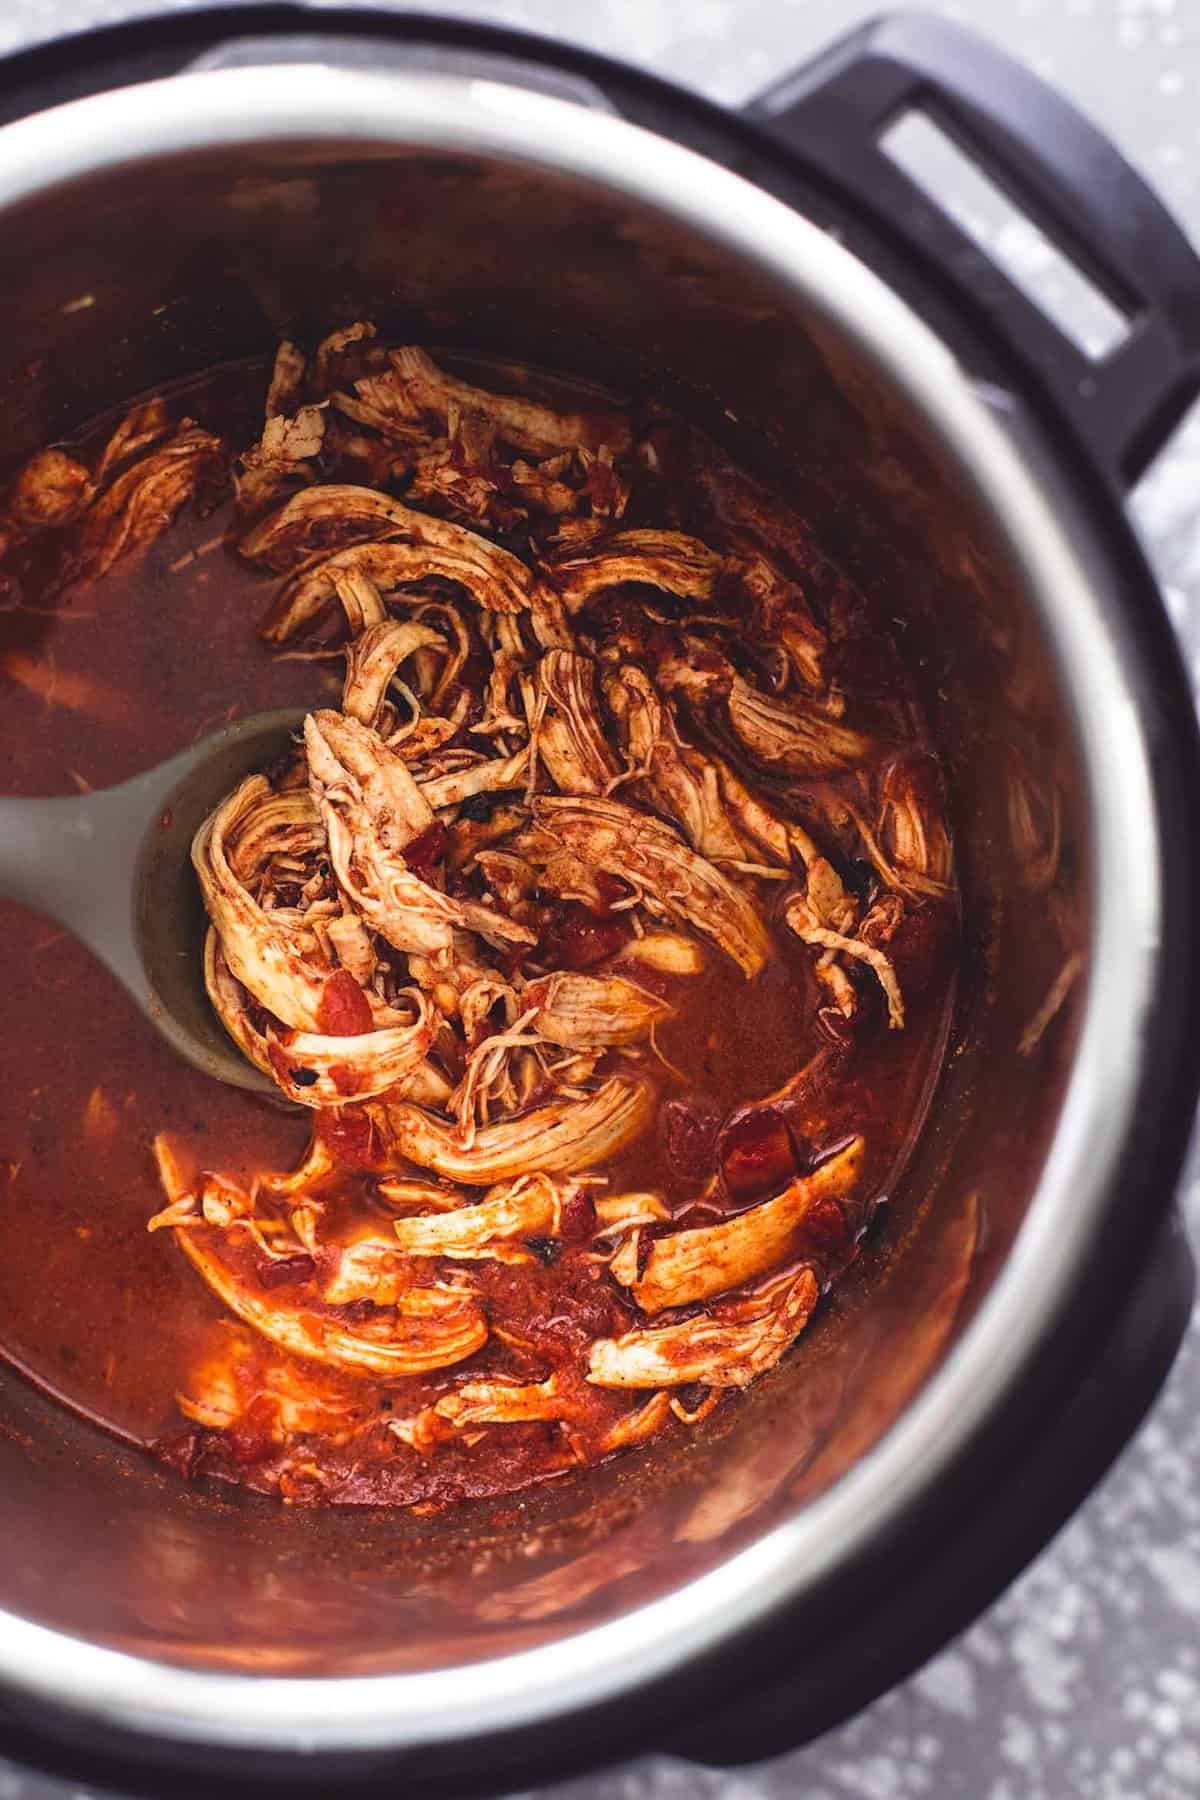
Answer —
345 1010
252 1438
286 1271
611 889
578 939
427 849
578 1216
349 1135
756 1153
688 1132
828 1237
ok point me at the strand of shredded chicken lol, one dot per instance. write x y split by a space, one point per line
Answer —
460 925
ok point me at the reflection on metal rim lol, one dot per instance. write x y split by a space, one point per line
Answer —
293 104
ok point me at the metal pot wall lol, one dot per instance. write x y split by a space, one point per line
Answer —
214 181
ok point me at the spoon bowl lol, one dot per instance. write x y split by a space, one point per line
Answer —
115 868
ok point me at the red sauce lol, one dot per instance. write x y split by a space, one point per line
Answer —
106 679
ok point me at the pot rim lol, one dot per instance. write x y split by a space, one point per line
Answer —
293 103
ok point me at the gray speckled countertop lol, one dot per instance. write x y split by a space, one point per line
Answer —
1084 1680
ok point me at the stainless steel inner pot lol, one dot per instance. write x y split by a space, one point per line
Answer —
159 230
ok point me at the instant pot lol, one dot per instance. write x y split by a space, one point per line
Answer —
181 192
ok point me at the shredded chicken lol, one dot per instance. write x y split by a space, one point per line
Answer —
428 1327
414 388
593 1012
228 998
322 1070
418 545
664 559
781 611
563 1137
728 1347
140 504
678 778
287 381
793 737
52 489
265 951
283 458
567 727
667 952
237 1372
695 1265
529 1206
55 489
470 925
608 835
373 659
372 810
805 921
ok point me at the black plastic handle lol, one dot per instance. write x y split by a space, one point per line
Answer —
1058 169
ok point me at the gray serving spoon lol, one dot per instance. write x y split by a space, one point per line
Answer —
114 867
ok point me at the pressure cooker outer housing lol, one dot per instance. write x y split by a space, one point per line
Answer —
1001 1336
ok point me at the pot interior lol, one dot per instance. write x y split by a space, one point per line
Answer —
166 267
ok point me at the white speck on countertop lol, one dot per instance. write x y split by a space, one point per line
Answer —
1178 1569
949 1682
1083 1682
1047 1672
1019 1742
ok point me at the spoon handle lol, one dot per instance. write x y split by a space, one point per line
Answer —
114 868
72 858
